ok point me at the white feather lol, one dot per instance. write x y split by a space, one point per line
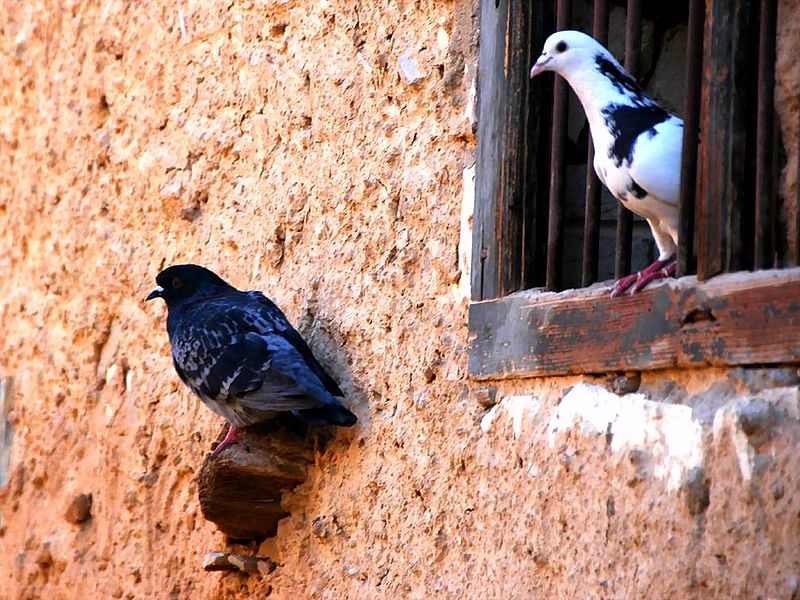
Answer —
642 171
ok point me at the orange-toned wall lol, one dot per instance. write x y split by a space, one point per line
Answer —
275 142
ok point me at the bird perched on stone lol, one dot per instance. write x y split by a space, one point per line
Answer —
238 352
637 143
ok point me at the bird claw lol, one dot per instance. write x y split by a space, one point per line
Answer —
661 269
624 283
661 273
229 439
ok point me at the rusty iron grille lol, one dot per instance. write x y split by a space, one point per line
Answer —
532 233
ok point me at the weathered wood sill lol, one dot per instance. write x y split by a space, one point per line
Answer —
733 319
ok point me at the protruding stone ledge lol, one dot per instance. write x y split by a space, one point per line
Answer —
225 561
240 489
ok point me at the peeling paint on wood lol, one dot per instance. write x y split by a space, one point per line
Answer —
725 196
743 318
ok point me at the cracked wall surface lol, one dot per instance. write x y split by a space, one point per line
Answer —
323 152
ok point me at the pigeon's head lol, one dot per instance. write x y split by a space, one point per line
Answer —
179 282
567 51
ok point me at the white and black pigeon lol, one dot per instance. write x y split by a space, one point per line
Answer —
637 143
238 352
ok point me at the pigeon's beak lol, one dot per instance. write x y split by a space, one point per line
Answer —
541 65
156 293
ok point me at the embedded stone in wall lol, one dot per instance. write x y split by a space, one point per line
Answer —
240 490
409 71
79 509
631 421
226 561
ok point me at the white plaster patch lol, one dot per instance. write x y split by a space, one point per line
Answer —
517 408
745 453
668 431
364 64
470 111
172 189
111 373
488 418
442 38
726 421
129 380
409 70
110 413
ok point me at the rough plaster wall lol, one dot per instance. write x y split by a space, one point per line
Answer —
276 143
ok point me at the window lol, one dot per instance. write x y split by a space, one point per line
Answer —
542 223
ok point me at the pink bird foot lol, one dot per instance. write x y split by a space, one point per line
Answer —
229 439
661 269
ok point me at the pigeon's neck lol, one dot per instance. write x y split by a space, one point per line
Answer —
603 83
176 310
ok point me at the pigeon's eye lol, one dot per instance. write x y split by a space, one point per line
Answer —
561 46
177 283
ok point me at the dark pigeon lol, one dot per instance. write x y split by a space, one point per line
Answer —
238 352
637 143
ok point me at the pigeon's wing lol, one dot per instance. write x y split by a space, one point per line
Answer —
288 365
273 316
299 344
656 164
244 369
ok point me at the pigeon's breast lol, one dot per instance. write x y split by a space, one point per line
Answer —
189 351
626 123
634 153
622 185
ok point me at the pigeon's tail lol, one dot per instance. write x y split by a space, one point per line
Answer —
332 414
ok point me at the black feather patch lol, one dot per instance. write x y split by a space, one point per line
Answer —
637 190
626 123
621 80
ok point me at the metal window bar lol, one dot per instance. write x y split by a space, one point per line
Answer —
538 151
765 234
691 131
727 194
633 47
555 229
591 222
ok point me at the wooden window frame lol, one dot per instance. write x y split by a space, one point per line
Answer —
738 318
